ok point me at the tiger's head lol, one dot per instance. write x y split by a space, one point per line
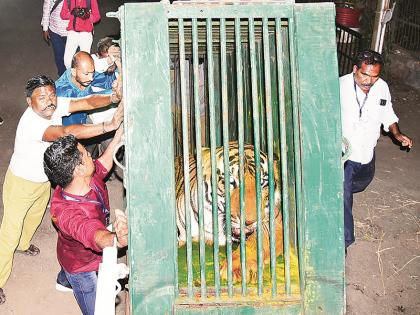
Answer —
250 193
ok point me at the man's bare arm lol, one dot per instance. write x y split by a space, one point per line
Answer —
106 158
93 102
405 141
84 131
104 238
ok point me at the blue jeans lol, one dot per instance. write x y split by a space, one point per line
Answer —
357 177
59 44
84 289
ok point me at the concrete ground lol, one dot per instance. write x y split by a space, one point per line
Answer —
23 54
382 267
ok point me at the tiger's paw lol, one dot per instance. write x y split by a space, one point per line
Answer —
236 270
252 271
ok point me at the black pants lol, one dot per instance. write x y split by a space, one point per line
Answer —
357 177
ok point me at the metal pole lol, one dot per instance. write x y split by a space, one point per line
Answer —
378 28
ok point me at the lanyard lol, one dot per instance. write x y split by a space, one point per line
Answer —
358 102
105 210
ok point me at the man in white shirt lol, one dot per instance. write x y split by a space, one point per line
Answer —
108 56
365 107
26 189
107 60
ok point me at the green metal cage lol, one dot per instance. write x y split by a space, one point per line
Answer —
204 75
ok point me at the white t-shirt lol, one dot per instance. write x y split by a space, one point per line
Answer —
101 115
27 160
98 116
363 132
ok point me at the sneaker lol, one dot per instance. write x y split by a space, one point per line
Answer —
63 287
62 283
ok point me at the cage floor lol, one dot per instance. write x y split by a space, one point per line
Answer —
182 270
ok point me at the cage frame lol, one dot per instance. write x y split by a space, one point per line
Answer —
150 184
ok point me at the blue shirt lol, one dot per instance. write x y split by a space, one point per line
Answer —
101 84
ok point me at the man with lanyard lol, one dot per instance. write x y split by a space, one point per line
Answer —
26 189
365 107
80 211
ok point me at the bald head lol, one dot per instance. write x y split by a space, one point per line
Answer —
82 69
81 57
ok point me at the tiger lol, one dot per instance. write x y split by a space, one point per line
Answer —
249 205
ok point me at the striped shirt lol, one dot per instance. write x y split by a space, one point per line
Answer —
53 21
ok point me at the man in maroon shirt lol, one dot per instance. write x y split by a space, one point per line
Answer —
80 211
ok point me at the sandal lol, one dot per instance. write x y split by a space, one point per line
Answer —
31 251
2 296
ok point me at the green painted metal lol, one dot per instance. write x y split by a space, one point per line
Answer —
247 96
230 11
283 156
186 153
213 158
322 176
297 145
269 116
259 63
255 120
150 196
240 100
199 161
260 308
290 144
225 121
309 146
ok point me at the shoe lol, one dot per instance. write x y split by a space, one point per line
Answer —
31 251
63 287
2 296
62 283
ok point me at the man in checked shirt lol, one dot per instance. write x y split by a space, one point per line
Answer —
54 31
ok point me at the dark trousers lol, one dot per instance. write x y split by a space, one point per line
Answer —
357 177
59 45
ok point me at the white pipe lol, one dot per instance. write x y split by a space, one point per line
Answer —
108 286
377 29
387 16
114 155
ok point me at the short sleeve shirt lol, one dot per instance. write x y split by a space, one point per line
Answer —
27 160
101 84
363 131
